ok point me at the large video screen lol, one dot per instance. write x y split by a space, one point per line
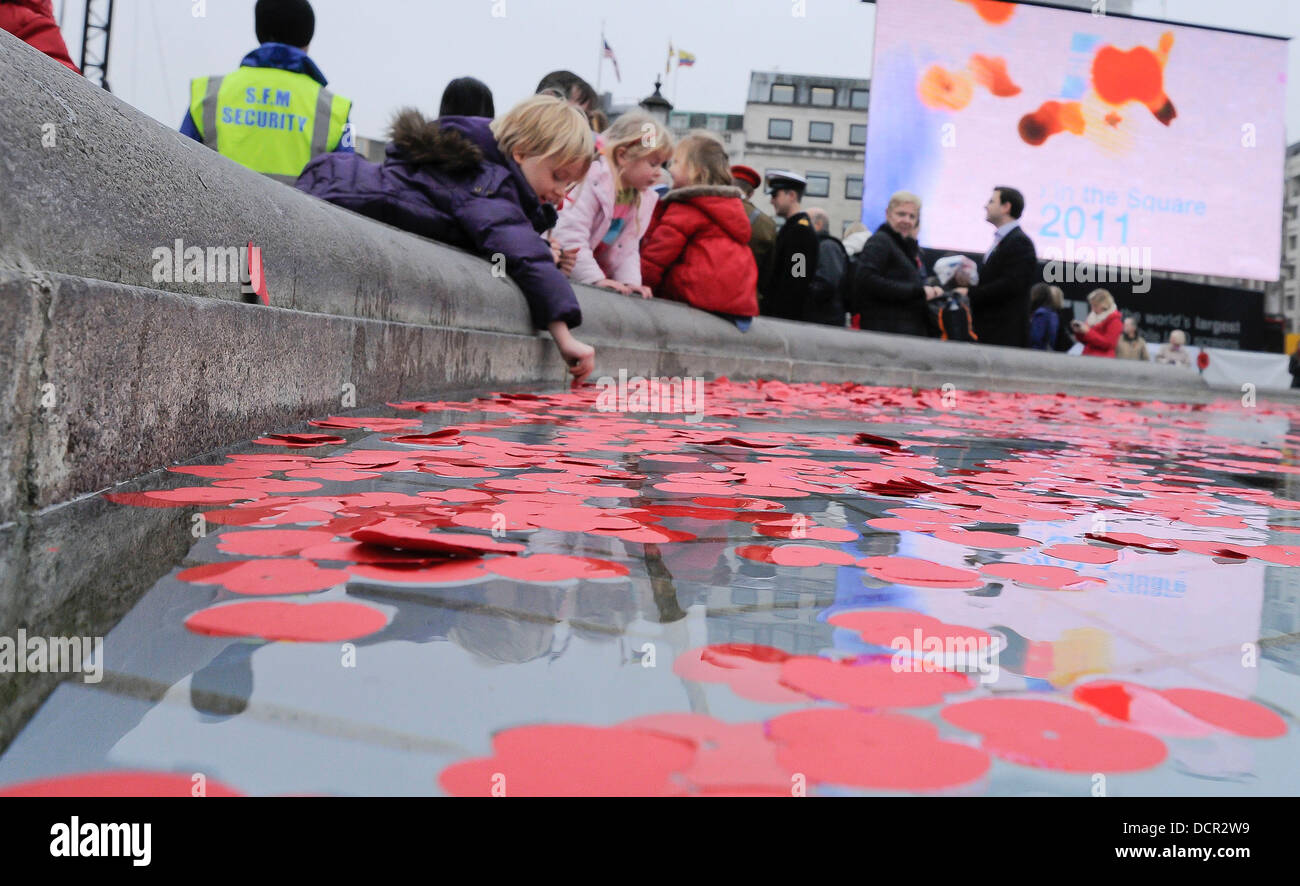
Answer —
1124 135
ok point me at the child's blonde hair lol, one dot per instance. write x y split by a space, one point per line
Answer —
637 135
705 158
546 126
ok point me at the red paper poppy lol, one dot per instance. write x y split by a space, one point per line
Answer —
300 441
441 437
747 504
796 555
1051 578
1049 735
583 761
1082 553
875 440
271 542
891 752
984 540
299 622
1236 715
119 783
265 577
752 671
184 495
405 535
1135 540
729 757
870 682
369 424
921 573
1202 361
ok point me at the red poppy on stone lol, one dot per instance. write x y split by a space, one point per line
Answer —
1202 361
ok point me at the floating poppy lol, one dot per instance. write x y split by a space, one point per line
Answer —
299 622
1048 735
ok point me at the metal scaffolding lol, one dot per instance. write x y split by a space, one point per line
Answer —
96 31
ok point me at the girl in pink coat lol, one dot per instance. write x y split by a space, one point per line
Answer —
614 205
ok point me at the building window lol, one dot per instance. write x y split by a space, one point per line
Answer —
853 187
1291 242
821 132
819 184
783 93
717 123
679 120
858 134
859 98
782 130
823 97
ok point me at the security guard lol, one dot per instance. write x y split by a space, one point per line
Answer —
762 230
274 113
794 257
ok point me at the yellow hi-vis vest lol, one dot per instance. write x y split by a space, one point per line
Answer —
267 119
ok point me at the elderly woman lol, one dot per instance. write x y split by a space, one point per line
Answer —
1175 353
1101 330
889 289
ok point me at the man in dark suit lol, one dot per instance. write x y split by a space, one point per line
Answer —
1000 303
795 253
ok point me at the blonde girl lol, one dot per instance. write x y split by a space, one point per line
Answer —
613 208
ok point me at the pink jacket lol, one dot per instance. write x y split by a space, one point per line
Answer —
585 222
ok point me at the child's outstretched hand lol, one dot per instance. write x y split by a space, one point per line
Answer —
614 285
580 357
643 291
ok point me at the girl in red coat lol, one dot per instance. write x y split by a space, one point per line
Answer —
1101 331
697 248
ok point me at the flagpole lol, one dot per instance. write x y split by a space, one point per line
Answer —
600 59
676 71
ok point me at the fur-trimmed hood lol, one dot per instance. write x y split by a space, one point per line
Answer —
721 203
465 150
692 191
449 144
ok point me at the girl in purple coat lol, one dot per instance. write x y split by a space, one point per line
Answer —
490 187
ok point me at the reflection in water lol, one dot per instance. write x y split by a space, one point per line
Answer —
656 532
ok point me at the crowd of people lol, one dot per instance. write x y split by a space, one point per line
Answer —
566 196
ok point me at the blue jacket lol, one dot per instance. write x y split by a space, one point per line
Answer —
1042 329
446 179
286 58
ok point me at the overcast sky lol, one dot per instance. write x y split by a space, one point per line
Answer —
384 54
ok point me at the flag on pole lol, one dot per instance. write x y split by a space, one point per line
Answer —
609 54
668 64
684 58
